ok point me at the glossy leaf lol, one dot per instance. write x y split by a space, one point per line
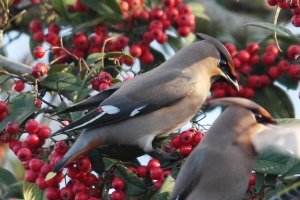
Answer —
272 162
276 101
104 9
164 193
9 182
62 81
273 27
60 7
32 192
134 185
21 108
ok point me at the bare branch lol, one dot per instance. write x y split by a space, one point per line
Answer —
14 67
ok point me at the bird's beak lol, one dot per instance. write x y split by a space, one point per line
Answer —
233 83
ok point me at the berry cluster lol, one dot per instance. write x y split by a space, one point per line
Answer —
82 184
102 82
152 171
293 5
186 141
252 60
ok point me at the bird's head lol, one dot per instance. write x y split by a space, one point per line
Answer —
226 69
244 116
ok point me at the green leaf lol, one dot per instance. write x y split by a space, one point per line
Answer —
59 68
274 27
175 42
164 193
60 7
287 191
269 162
62 81
103 8
276 101
198 10
134 185
21 108
32 192
272 162
9 182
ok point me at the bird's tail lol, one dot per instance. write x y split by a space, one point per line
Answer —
84 143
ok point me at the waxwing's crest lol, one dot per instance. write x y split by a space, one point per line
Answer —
222 49
261 114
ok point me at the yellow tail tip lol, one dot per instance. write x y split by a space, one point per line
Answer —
50 175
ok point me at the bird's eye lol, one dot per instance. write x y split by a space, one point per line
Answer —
223 63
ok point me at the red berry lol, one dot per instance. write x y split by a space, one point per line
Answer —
35 25
37 103
104 86
82 196
53 182
91 180
296 10
231 49
218 93
254 60
165 174
117 195
19 85
84 164
274 72
52 193
265 80
244 56
52 38
293 51
46 168
54 28
24 154
296 20
294 71
105 77
185 150
118 183
184 20
153 163
283 5
38 36
44 132
172 14
96 83
158 184
253 48
3 107
142 171
61 147
39 51
155 173
272 49
36 165
185 9
33 140
272 2
40 69
31 176
41 183
186 137
184 31
78 187
156 13
66 193
268 58
31 126
80 41
197 137
246 92
169 3
254 81
176 143
147 57
12 128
